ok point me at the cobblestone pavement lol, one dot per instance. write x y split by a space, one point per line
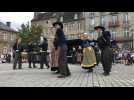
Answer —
121 76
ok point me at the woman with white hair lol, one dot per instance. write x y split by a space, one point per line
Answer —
89 59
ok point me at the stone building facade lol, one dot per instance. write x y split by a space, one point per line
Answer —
120 24
7 38
74 23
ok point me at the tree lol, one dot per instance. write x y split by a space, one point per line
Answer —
30 33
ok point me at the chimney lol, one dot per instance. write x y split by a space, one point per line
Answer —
8 24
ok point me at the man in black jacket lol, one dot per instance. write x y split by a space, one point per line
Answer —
43 53
31 56
106 52
17 47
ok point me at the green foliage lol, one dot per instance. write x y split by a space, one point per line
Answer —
30 33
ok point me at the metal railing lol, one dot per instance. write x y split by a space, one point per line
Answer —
114 24
72 36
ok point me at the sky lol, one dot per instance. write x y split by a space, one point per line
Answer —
16 18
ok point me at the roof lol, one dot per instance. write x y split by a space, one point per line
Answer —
6 28
45 16
67 16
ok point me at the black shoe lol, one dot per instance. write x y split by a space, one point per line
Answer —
61 76
47 67
106 73
68 74
57 72
34 66
54 68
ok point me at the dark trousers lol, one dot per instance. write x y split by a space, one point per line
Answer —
43 60
106 58
97 58
62 61
17 59
31 59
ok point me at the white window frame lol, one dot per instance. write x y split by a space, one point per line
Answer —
126 32
66 28
92 21
114 19
5 36
75 16
74 27
69 27
125 18
61 18
102 20
114 34
12 36
78 27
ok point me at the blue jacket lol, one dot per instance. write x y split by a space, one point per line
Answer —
85 43
60 39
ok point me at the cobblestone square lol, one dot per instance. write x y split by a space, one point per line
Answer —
121 76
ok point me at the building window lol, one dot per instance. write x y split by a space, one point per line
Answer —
92 14
12 37
61 18
92 21
73 27
75 16
69 27
66 28
113 34
54 14
79 27
126 33
125 19
5 36
114 19
102 20
4 50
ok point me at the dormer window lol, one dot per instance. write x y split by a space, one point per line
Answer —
92 21
54 14
75 16
61 18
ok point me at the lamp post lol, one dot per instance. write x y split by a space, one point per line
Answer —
132 30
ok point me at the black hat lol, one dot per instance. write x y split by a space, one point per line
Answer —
58 23
101 27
